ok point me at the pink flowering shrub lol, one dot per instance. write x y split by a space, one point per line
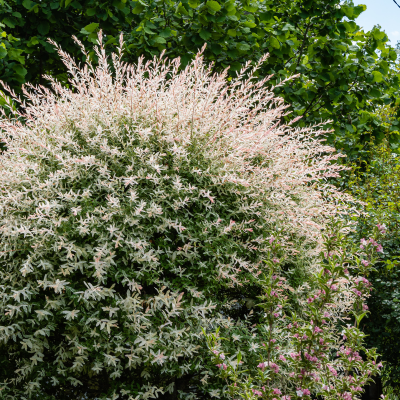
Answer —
142 205
318 350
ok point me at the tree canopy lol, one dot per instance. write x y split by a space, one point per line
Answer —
344 72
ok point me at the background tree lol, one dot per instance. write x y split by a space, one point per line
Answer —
344 72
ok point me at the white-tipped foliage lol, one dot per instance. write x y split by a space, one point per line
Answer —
134 203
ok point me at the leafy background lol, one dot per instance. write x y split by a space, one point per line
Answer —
345 73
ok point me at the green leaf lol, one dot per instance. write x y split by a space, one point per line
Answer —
250 24
232 17
357 10
92 38
90 28
243 47
274 42
28 4
20 70
150 25
3 52
119 4
348 11
349 98
213 5
181 9
377 76
165 33
231 32
67 2
350 26
15 54
392 55
8 22
205 35
230 6
148 30
160 40
111 40
266 16
90 12
138 9
360 317
375 93
216 49
378 35
193 3
44 28
231 10
49 47
252 8
288 27
353 48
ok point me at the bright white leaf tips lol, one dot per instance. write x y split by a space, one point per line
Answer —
136 207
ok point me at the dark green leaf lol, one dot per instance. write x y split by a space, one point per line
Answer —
165 33
28 4
91 11
20 70
44 28
205 34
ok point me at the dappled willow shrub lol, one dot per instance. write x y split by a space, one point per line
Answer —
137 209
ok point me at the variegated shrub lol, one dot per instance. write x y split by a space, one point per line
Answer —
137 205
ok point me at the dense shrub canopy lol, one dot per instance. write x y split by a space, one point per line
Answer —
137 206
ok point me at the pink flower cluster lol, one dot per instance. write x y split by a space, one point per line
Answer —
221 356
332 370
294 355
346 396
382 228
272 365
262 365
302 392
317 330
364 242
311 358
